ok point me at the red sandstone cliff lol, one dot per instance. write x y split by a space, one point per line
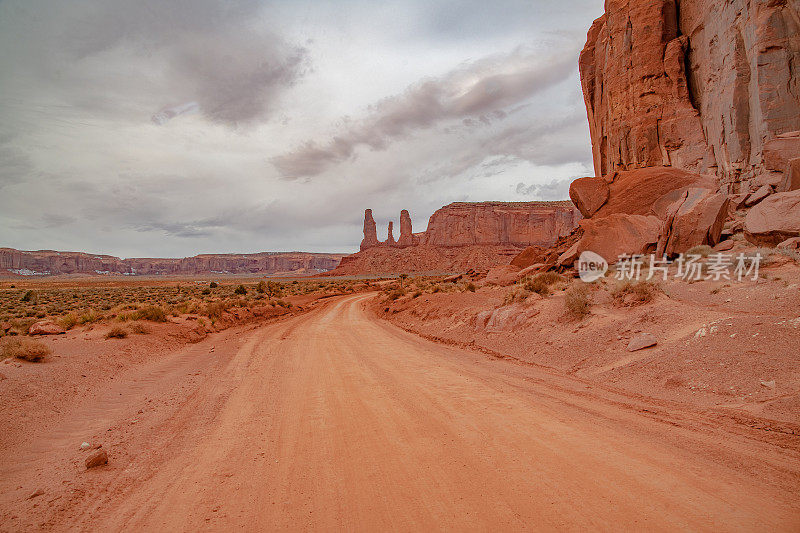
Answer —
708 86
52 262
501 223
461 236
694 116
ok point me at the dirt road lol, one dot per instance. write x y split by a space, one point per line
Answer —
337 420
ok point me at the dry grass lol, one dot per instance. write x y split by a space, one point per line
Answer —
84 304
542 283
702 250
577 303
117 332
633 293
25 349
139 329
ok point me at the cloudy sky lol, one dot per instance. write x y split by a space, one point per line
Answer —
175 127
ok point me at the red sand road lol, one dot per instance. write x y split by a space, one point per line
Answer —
337 420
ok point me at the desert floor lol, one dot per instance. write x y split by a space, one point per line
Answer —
336 419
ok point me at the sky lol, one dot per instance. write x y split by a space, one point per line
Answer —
170 128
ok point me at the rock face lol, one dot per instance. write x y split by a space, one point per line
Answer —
774 219
501 223
49 262
708 86
370 231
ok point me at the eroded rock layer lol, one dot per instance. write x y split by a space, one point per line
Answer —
49 262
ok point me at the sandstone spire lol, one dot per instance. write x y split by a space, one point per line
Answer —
370 231
406 234
390 237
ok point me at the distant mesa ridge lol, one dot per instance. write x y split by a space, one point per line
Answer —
50 262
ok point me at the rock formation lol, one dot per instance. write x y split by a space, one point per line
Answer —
370 231
694 112
487 223
406 233
511 223
49 262
390 236
708 86
461 236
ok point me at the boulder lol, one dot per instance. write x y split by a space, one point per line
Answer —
529 256
619 234
642 341
636 192
588 194
502 275
774 220
778 152
46 327
791 180
505 318
698 219
790 244
569 256
761 193
95 459
770 179
724 246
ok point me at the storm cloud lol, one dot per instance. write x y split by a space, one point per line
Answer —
156 128
475 93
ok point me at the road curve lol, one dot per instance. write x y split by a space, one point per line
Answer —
337 420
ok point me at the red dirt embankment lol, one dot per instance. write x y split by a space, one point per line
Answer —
720 344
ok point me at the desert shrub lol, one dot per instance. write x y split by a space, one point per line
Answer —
261 288
541 283
436 288
25 349
284 304
31 297
213 285
117 332
702 250
470 287
139 329
576 301
416 294
631 293
214 310
153 313
516 296
68 321
395 294
205 291
241 290
87 317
